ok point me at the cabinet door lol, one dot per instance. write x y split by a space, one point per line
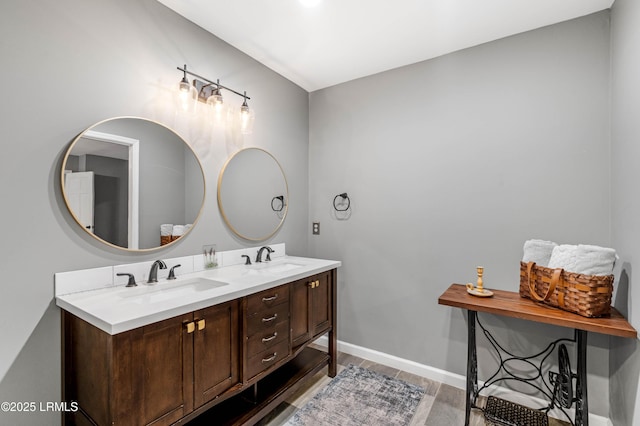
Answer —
320 304
157 357
216 355
311 307
300 312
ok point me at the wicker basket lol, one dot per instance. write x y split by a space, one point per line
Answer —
586 295
500 412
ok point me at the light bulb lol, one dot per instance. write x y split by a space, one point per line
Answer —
215 103
187 96
184 86
247 117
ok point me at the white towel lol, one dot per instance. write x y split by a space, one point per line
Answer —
583 259
538 251
595 260
178 230
166 229
564 256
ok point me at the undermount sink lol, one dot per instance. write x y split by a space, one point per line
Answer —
283 267
279 267
168 291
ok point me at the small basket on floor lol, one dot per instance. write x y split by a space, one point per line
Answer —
500 412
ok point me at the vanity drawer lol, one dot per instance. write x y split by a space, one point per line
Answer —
267 339
265 359
267 299
266 320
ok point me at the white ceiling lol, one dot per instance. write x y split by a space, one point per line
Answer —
341 40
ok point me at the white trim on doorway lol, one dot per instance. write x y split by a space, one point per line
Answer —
134 179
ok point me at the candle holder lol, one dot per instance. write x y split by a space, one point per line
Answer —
479 290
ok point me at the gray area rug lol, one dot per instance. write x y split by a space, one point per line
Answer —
357 396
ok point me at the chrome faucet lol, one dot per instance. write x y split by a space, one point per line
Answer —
269 251
153 273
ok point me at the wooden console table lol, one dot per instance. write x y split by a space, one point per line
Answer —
510 304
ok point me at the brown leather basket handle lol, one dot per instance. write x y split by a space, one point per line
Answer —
552 286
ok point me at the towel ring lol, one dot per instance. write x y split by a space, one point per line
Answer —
344 197
277 208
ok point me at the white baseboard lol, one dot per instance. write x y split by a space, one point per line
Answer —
451 379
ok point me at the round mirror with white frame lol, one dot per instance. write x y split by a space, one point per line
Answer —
133 183
253 194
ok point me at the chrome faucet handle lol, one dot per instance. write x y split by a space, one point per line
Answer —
269 251
132 280
172 275
248 260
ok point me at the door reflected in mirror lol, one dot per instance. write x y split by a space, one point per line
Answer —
126 179
253 194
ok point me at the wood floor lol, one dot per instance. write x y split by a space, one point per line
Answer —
441 405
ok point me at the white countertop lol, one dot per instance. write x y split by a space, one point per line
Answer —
118 309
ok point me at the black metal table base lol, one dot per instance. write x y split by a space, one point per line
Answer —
537 381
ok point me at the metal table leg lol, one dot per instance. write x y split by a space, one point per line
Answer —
472 366
582 403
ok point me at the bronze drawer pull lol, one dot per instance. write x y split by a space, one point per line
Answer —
270 318
270 338
271 358
270 299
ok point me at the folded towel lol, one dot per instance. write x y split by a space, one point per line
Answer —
538 251
595 260
564 256
583 259
166 229
178 230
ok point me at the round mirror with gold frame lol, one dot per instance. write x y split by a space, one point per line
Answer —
253 194
133 183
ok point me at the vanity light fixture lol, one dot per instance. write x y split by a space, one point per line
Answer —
216 106
210 93
247 116
187 96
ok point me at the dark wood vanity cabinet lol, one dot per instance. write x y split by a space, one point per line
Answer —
311 307
145 365
156 374
266 333
216 351
230 363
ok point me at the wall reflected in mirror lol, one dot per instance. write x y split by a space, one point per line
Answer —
126 179
253 194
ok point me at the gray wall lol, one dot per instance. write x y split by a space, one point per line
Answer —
449 163
161 172
453 163
69 64
625 220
